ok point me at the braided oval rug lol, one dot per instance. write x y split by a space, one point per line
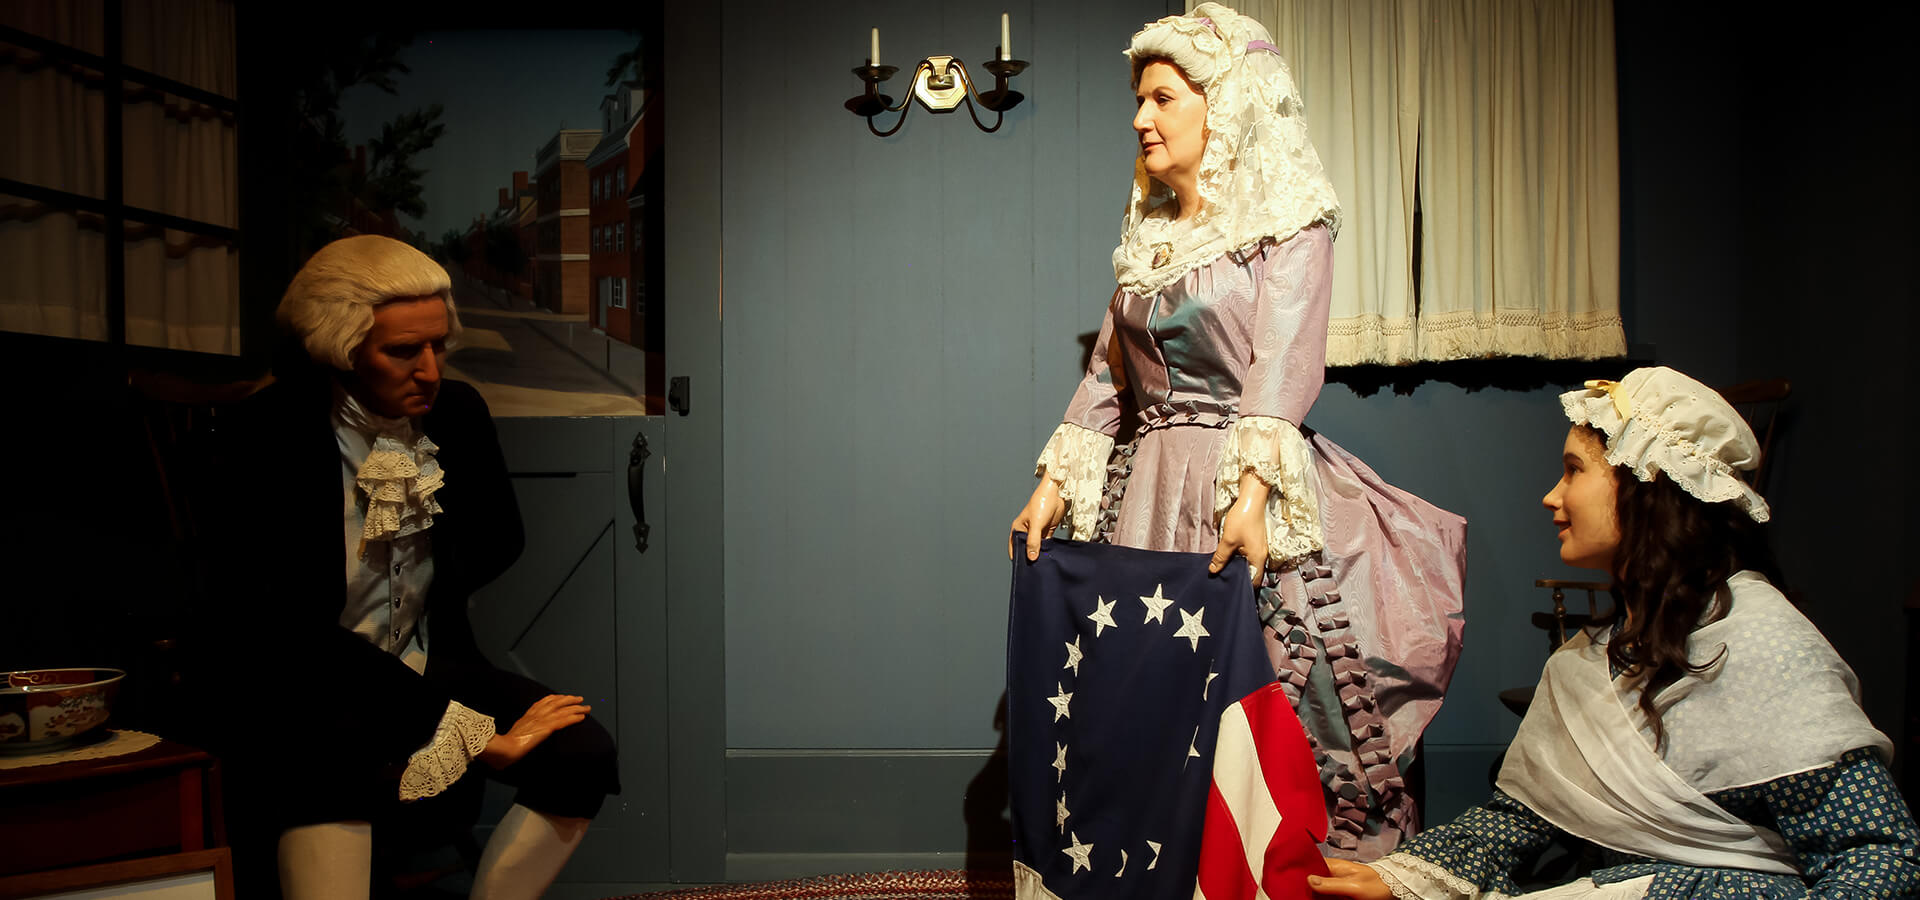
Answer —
941 884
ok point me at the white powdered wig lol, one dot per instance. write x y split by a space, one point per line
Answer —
330 303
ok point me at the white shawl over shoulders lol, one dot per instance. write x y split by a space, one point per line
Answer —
1775 701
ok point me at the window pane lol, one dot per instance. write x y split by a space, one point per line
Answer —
53 271
180 157
183 291
189 41
52 122
79 24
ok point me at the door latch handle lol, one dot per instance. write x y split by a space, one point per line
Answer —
677 399
637 489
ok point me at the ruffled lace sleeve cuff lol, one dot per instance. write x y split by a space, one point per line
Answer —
462 734
1076 459
1275 452
1411 878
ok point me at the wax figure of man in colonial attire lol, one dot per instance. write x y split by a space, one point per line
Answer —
365 500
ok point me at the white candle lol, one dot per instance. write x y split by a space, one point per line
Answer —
873 59
1006 39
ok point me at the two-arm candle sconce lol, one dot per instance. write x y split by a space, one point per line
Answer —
941 84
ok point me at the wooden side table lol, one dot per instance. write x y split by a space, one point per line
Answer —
161 800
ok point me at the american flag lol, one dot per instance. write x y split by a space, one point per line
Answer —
1120 666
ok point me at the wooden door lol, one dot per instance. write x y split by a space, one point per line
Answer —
584 612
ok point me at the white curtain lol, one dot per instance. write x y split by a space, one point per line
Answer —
1503 113
182 290
1357 65
1519 180
53 270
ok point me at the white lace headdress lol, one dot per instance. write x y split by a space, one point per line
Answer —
1259 175
1658 420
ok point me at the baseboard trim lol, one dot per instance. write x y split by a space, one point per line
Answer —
860 804
749 867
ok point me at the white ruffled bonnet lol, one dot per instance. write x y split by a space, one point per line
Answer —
1658 420
1259 174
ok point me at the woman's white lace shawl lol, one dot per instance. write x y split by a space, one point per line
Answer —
1276 453
1076 459
1259 175
460 737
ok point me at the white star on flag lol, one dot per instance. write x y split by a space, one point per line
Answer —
1193 752
1203 688
1191 629
1123 865
1082 854
1155 845
1060 702
1060 813
1074 655
1156 606
1060 762
1102 616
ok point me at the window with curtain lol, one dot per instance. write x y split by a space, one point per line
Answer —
1474 146
118 172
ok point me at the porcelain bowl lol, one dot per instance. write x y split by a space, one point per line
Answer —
43 709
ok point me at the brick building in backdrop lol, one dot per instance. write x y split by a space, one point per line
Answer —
562 241
511 267
626 240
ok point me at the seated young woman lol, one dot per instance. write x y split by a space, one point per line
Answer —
1705 739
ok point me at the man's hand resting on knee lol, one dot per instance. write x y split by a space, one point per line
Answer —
546 716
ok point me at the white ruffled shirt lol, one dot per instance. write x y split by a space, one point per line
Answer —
390 568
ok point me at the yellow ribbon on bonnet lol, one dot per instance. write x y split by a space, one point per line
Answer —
1613 390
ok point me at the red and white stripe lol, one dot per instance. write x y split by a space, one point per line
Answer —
1265 812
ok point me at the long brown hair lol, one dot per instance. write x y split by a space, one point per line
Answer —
1675 553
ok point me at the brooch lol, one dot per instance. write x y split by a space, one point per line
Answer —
1162 254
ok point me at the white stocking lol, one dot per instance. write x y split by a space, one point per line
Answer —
329 861
525 854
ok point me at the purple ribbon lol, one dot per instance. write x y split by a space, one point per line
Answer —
1263 45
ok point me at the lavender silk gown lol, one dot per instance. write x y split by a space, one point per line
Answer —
1365 634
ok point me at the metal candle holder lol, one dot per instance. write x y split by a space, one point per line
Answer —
941 84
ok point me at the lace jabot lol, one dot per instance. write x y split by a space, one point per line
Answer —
1259 174
399 475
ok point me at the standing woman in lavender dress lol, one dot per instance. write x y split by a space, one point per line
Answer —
1214 346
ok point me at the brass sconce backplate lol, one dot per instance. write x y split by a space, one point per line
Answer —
941 85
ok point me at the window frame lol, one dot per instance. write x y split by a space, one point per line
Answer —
112 206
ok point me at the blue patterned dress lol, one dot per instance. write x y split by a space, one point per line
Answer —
1847 823
1769 782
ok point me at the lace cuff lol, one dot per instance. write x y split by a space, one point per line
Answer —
1411 878
1076 459
1276 453
462 734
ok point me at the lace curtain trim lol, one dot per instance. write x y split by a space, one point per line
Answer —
1076 459
1276 453
1470 335
460 737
